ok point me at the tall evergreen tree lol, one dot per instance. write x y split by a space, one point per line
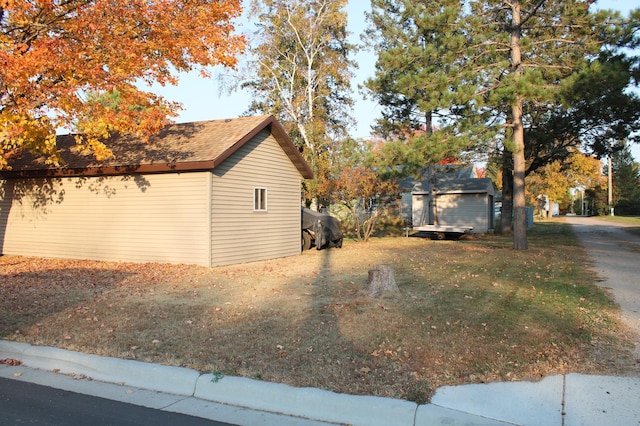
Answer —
595 107
626 181
480 64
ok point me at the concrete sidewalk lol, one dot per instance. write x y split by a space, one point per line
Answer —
569 400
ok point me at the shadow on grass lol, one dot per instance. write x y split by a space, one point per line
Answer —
31 298
468 311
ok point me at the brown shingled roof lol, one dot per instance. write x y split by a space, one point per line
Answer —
178 147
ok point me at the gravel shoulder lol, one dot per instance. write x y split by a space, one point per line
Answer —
615 254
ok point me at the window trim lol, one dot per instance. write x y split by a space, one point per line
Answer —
260 199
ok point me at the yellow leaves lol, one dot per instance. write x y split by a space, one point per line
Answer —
52 53
93 144
557 178
385 352
19 131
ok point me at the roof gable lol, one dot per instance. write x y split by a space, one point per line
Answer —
178 147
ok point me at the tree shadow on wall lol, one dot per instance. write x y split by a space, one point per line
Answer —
39 195
173 145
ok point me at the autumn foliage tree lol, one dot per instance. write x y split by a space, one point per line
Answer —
557 179
80 65
362 186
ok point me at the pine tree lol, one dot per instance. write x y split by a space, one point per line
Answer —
626 181
477 66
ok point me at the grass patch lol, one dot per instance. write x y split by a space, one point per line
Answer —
631 223
469 311
631 220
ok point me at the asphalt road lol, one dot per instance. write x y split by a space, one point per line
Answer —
23 403
615 254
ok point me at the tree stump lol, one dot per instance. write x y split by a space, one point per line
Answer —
381 281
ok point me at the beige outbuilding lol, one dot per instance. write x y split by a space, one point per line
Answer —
209 193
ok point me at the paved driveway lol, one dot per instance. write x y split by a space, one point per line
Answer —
615 254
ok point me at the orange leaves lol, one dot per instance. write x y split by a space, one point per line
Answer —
54 54
363 182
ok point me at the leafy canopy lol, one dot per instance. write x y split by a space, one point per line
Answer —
61 61
363 186
557 178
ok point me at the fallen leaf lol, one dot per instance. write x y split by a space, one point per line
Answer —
17 374
10 361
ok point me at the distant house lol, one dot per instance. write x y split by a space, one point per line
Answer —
209 193
451 196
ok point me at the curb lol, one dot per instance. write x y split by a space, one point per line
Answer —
175 380
309 403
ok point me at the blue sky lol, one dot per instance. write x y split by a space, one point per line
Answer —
202 99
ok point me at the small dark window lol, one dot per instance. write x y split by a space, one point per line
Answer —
260 199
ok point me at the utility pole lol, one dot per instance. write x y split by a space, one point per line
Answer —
610 195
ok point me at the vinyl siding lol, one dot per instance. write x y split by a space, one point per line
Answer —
146 218
419 210
463 210
240 234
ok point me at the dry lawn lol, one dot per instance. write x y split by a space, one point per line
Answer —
468 311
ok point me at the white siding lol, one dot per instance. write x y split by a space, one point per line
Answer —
145 218
240 234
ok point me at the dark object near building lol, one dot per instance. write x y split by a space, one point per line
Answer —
320 230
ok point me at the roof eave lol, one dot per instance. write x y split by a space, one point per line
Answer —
109 170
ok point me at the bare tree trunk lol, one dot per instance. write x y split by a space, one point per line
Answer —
428 124
519 201
506 213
